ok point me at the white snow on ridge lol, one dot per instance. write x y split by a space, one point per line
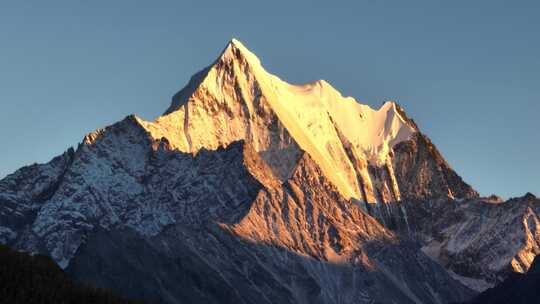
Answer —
373 131
225 107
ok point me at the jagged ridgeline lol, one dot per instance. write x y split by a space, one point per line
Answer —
252 190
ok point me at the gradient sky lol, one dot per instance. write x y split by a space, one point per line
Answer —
468 72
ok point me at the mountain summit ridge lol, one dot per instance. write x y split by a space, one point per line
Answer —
236 98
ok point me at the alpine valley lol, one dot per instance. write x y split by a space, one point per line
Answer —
252 190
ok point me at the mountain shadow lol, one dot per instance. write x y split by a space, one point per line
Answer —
518 288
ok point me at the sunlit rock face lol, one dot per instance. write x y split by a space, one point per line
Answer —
252 190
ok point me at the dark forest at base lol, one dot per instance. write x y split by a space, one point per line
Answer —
37 279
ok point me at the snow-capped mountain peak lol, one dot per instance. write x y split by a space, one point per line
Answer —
236 49
255 190
235 98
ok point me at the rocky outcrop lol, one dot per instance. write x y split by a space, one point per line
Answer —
422 173
480 240
24 192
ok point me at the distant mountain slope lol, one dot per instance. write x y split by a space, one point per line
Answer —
29 279
481 240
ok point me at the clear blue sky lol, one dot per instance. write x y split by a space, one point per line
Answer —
467 71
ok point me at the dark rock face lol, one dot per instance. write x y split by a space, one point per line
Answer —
422 172
421 175
517 288
535 266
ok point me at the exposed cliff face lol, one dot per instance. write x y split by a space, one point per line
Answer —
422 172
